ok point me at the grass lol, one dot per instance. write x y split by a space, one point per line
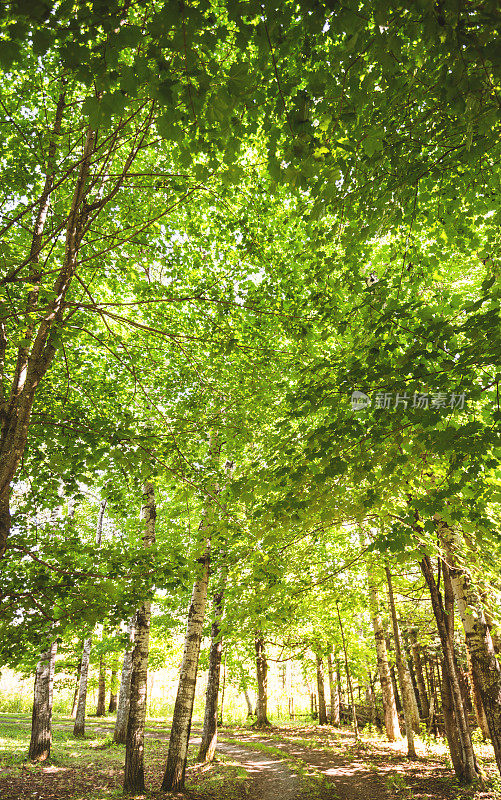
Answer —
92 768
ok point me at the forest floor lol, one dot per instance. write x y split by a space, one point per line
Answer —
296 762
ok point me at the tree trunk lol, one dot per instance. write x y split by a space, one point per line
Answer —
120 733
451 731
391 722
183 709
334 694
476 697
79 726
75 693
175 769
484 663
101 691
134 743
41 719
418 666
209 733
262 720
322 711
468 768
223 687
403 673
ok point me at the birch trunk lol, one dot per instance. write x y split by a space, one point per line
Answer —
469 771
485 665
120 733
175 769
183 709
41 719
262 720
322 711
476 697
391 722
403 673
334 694
79 726
134 743
209 732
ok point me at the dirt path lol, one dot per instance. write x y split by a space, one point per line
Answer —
346 776
271 777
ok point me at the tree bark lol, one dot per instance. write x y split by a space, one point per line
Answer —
485 665
476 697
262 720
101 690
175 769
183 708
120 733
79 726
322 710
41 719
334 693
469 771
209 732
134 743
403 673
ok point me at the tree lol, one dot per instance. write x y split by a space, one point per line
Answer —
134 744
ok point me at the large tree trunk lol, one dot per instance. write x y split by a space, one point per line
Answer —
484 663
120 733
41 719
322 710
262 720
209 733
403 673
469 771
334 694
101 689
79 726
418 667
134 744
183 709
175 769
